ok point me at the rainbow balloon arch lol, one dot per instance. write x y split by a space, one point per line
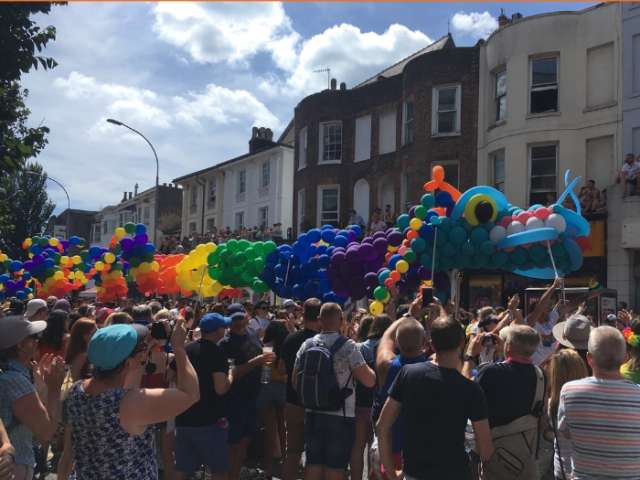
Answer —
447 231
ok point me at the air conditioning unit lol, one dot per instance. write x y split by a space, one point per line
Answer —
631 234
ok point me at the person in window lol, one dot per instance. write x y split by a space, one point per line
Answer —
629 174
355 219
377 223
589 197
388 216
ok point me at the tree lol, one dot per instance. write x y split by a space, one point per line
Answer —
30 208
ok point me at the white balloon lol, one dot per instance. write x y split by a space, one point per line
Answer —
497 233
534 223
515 227
556 221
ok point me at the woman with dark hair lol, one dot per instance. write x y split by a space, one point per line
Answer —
76 357
55 337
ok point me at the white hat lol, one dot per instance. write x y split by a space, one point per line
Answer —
15 328
34 306
289 303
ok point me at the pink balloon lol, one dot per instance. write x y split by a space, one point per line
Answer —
505 221
523 217
402 250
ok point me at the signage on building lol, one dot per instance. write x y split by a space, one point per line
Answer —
596 239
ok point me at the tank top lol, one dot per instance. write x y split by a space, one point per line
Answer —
102 449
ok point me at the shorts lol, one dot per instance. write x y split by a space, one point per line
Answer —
294 418
197 446
272 394
243 421
328 440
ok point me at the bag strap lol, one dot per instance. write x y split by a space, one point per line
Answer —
539 395
557 444
337 345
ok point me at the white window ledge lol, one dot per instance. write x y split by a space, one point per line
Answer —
543 115
452 134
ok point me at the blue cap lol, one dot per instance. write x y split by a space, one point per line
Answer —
212 322
237 315
235 308
112 345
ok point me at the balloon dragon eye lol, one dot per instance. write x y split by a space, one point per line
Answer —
480 208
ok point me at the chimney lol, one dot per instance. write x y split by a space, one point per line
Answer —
261 138
130 195
502 19
334 83
515 17
135 190
343 86
124 197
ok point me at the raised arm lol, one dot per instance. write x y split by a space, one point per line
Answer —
386 351
543 306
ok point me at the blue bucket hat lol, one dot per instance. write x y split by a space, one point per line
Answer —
213 321
112 345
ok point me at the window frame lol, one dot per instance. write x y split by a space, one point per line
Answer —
266 219
193 198
445 163
319 211
355 138
544 56
301 205
321 146
492 166
435 112
406 123
194 229
238 225
496 98
211 220
530 148
265 163
212 193
303 138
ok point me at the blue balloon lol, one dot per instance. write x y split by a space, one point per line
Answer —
141 229
528 236
341 241
328 235
314 235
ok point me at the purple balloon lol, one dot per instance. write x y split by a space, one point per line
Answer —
352 236
367 240
395 238
371 279
367 252
353 254
379 235
412 212
126 244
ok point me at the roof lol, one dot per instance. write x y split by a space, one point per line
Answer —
287 130
396 68
228 162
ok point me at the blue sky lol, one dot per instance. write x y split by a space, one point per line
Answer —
195 77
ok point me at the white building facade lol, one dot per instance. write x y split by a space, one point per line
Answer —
550 101
252 190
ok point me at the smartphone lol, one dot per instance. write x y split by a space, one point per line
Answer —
427 296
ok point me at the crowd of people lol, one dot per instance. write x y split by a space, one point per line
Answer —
175 390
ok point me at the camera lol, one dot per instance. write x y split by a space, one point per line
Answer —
158 331
488 339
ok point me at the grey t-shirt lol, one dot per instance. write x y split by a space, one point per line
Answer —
345 360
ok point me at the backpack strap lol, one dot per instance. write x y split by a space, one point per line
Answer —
537 407
337 345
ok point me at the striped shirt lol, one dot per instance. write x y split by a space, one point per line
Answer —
602 420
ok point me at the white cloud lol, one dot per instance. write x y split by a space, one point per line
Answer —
474 24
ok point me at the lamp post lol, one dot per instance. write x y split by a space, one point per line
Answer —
68 226
157 196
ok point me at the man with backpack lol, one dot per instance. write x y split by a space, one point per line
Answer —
514 390
324 373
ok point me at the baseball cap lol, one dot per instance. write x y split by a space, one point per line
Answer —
237 316
34 306
62 304
102 314
573 332
235 308
212 322
289 303
112 345
612 318
15 328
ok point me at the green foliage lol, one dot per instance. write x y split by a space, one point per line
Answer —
30 207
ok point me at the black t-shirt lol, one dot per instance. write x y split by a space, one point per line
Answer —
207 358
436 404
242 348
509 388
290 348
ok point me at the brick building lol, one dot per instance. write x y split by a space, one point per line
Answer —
374 145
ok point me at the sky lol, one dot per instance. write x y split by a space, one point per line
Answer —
195 77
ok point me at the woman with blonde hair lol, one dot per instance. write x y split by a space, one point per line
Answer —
564 366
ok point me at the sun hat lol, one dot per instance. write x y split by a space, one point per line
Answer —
34 306
112 345
213 321
15 328
573 332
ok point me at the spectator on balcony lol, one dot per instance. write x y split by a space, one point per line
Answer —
389 217
377 223
629 175
355 219
590 198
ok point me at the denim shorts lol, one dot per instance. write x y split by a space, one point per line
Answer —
197 446
328 439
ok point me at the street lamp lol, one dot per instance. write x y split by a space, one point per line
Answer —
157 197
68 227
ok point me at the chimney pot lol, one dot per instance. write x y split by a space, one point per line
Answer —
334 83
503 19
124 197
343 86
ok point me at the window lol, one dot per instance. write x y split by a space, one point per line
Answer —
542 188
329 205
139 215
501 95
544 85
239 220
600 164
211 199
408 123
387 133
301 208
241 186
600 76
147 215
363 138
445 118
497 169
451 172
193 206
635 53
192 227
263 216
302 148
211 224
331 142
635 139
265 177
121 221
105 227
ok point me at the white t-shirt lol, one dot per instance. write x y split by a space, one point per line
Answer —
345 360
631 169
256 324
548 344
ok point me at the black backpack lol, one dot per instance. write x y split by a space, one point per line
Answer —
317 385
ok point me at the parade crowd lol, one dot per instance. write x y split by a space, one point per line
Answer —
178 390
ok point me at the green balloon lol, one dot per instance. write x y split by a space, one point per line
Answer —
537 253
468 249
418 245
380 293
403 221
239 258
213 257
269 247
449 250
232 245
258 264
243 244
457 235
214 273
442 238
428 201
478 236
426 259
500 259
487 248
259 286
518 257
130 228
409 255
421 212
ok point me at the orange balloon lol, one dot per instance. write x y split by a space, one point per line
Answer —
411 234
395 276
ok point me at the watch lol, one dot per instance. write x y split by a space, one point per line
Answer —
469 358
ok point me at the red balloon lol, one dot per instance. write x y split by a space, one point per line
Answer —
542 213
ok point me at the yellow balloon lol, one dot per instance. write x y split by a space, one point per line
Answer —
64 260
99 266
109 257
53 242
76 259
415 224
402 266
3 257
58 275
376 308
28 242
120 232
155 266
